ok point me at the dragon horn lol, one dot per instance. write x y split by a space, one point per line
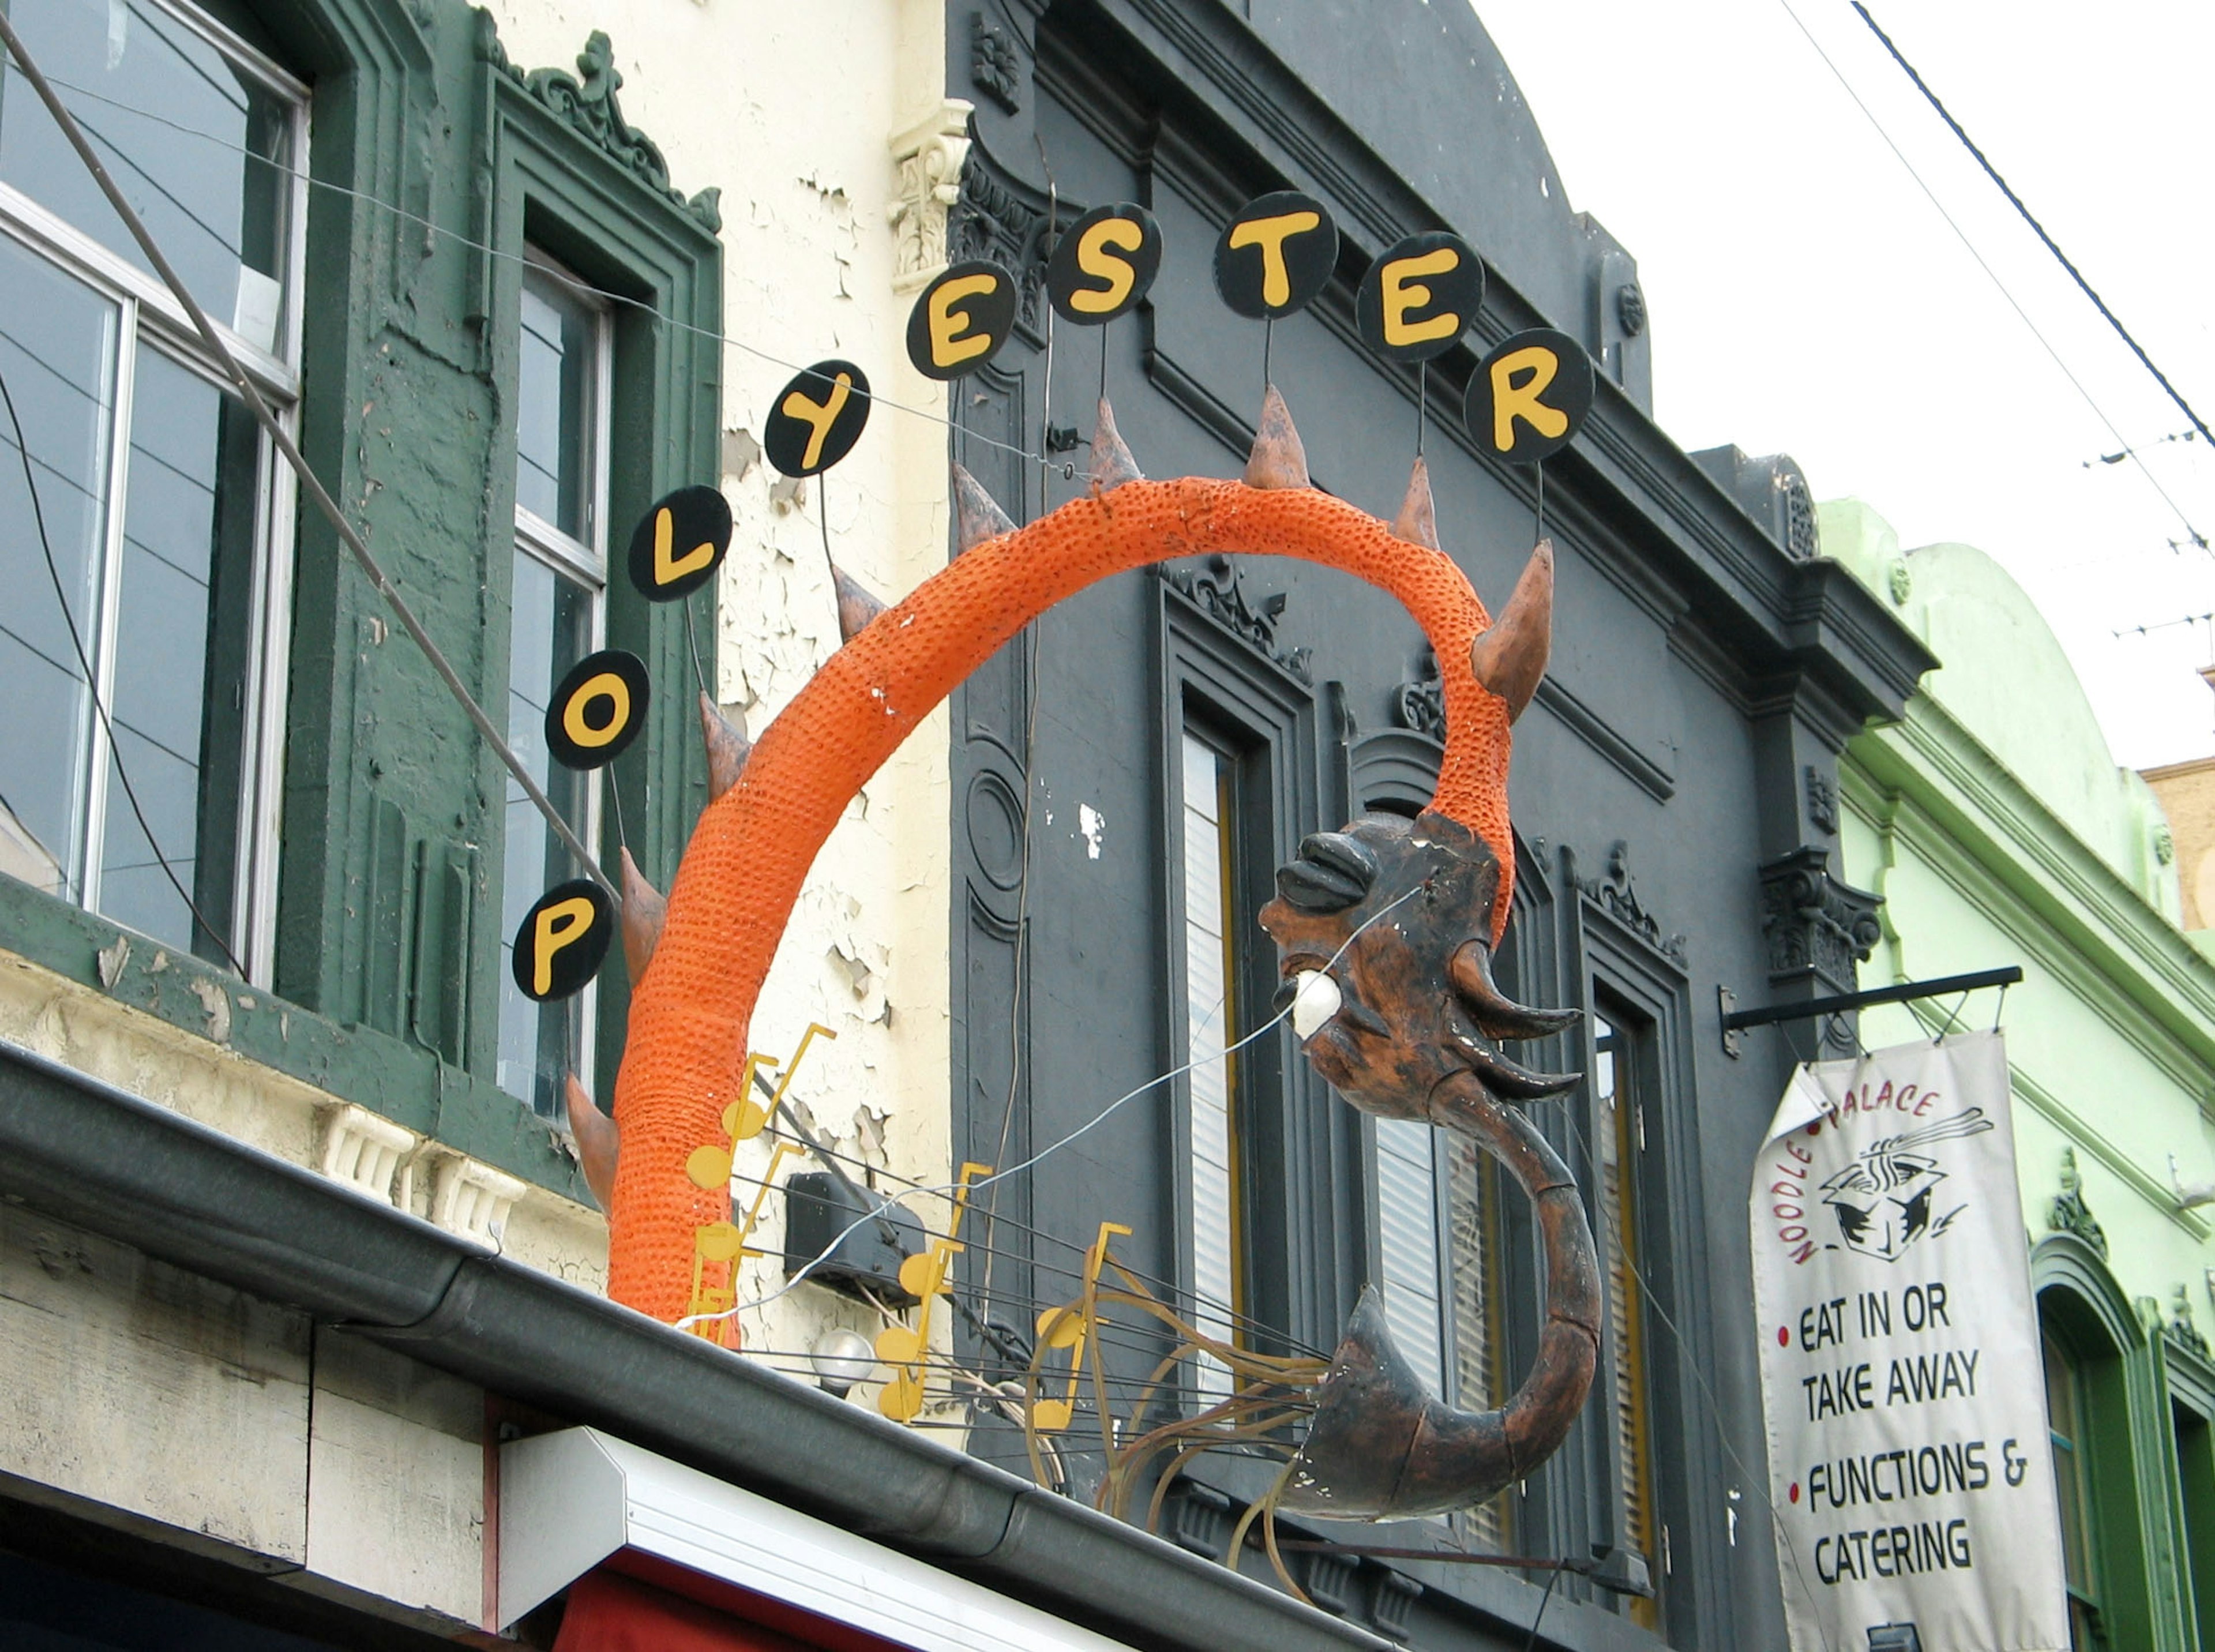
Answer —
977 514
727 749
643 908
1278 459
1112 464
597 1143
1418 522
1510 658
857 604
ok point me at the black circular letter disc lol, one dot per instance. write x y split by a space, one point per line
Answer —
1529 398
597 709
562 940
679 544
1103 264
1420 298
817 418
960 320
1276 255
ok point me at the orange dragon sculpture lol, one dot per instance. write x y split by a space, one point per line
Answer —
698 960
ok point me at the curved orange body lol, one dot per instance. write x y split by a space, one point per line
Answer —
753 846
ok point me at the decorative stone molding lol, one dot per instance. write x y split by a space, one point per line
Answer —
991 218
1813 922
364 1150
585 102
2180 1329
1216 588
1391 1597
996 68
473 1199
1419 702
1612 890
929 158
2069 1213
1822 801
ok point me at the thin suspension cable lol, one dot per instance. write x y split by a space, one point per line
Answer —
1962 235
2051 246
260 407
572 282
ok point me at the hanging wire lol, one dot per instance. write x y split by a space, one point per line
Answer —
692 647
604 295
1089 1125
92 691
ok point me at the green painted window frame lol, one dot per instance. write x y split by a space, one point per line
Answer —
2190 1379
415 105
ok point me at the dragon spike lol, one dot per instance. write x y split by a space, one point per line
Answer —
1112 464
644 906
727 749
977 514
1279 460
1417 521
598 1142
1510 658
857 604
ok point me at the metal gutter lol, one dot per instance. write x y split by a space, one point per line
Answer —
82 1152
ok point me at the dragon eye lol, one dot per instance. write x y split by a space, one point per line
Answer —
1316 1000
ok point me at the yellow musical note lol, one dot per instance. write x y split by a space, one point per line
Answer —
1072 1327
923 1276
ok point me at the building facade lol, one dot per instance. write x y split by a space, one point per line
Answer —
1998 830
285 1150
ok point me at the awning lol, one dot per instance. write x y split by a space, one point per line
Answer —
580 1502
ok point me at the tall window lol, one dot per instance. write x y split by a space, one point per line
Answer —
2065 1411
1477 1244
1209 818
1407 1229
1619 1127
2195 1464
147 553
558 616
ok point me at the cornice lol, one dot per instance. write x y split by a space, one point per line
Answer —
2117 1163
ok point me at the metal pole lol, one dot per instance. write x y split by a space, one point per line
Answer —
1840 1003
314 488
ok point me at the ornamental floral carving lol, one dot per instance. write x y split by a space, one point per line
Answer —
928 159
1615 893
994 66
1419 702
1814 924
992 218
2069 1213
585 102
1217 589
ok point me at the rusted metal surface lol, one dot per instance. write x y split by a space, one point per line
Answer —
1416 1036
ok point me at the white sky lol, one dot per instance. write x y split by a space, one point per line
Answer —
1807 297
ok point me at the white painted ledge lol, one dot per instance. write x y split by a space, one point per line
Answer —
571 1500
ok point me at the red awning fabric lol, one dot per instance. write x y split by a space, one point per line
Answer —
608 1612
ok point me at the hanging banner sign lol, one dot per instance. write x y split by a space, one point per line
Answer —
817 418
598 708
1420 298
677 544
562 940
1103 264
1901 1374
961 319
1276 255
1529 398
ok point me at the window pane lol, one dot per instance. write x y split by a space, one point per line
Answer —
554 415
1212 1083
58 344
1618 1129
1408 1229
141 83
553 629
1480 1338
183 657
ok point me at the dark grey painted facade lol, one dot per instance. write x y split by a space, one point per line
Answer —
1670 784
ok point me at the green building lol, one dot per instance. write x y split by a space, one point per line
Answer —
1997 828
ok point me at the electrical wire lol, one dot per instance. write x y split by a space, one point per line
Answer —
1961 235
575 283
2051 246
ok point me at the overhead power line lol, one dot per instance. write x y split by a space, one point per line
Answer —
2051 246
2192 533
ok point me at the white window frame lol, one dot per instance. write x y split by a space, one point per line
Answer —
585 561
149 313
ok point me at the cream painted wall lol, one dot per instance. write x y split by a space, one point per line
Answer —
790 110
